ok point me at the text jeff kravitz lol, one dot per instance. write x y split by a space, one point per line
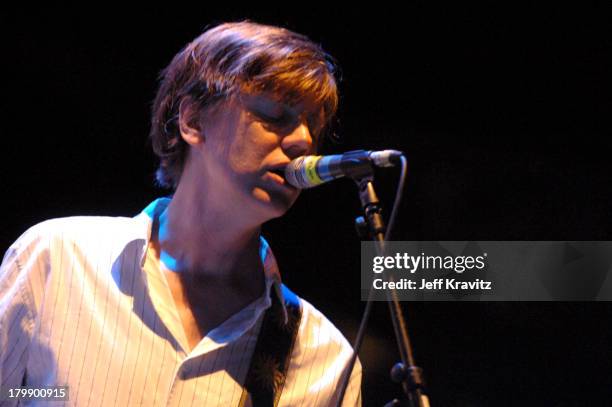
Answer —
434 285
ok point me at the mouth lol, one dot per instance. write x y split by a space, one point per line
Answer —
278 171
277 175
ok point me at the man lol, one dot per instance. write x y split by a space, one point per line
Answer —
183 305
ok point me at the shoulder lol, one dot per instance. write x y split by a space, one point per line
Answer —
316 322
77 229
56 248
317 331
38 245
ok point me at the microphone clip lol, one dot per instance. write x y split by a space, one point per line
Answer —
357 164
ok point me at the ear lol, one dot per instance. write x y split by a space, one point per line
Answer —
189 122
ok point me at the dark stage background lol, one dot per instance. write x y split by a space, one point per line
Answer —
504 114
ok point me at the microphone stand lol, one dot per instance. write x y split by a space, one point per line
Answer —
406 372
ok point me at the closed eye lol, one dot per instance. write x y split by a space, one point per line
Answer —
281 120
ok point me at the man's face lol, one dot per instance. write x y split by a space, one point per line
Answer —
247 142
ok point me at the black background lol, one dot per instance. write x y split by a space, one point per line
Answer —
503 111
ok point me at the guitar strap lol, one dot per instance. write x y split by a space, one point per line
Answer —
272 355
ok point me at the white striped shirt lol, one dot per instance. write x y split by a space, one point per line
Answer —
80 306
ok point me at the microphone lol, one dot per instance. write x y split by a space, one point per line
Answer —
311 170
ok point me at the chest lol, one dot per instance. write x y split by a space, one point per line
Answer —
203 308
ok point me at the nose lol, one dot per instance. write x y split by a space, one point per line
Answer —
298 142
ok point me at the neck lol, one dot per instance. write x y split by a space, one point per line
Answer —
208 239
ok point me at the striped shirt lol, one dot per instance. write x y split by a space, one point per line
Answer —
83 305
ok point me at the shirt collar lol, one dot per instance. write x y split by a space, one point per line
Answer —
270 266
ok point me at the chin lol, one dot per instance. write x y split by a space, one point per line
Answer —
273 205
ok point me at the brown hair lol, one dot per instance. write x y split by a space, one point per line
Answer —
234 57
